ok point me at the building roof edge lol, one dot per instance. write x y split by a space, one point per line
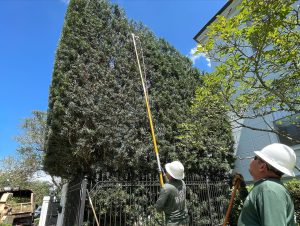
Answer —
213 19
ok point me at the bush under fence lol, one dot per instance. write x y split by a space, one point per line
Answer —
132 203
294 188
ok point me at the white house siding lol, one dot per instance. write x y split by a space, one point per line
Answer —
249 141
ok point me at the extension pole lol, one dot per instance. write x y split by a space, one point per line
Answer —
94 212
149 114
236 186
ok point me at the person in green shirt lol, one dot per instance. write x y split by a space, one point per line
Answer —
172 197
269 202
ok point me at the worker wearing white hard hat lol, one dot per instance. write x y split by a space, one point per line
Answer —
269 203
172 197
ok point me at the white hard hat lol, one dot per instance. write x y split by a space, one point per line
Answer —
280 156
175 169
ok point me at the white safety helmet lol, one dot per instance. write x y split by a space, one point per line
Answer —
280 156
175 169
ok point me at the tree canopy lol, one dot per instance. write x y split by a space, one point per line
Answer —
207 138
32 141
24 169
97 117
257 54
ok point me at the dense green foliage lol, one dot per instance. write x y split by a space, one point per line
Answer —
32 141
294 188
131 203
97 117
206 136
257 55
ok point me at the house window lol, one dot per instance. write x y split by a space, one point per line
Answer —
289 129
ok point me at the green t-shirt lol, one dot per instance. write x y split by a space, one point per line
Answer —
268 204
172 200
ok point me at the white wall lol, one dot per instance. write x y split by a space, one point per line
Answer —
248 140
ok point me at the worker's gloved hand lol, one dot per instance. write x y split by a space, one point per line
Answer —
166 180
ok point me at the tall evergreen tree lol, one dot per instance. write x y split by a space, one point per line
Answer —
97 117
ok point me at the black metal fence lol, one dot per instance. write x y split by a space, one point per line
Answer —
131 203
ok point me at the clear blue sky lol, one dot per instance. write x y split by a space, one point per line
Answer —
30 31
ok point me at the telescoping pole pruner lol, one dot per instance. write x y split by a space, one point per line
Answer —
149 114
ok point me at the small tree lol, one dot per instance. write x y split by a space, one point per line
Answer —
257 56
208 138
31 147
23 169
32 141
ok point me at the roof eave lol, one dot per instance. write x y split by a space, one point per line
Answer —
213 19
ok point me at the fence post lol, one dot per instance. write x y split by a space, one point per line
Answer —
82 198
209 201
45 206
61 215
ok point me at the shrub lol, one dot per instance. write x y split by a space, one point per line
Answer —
294 188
